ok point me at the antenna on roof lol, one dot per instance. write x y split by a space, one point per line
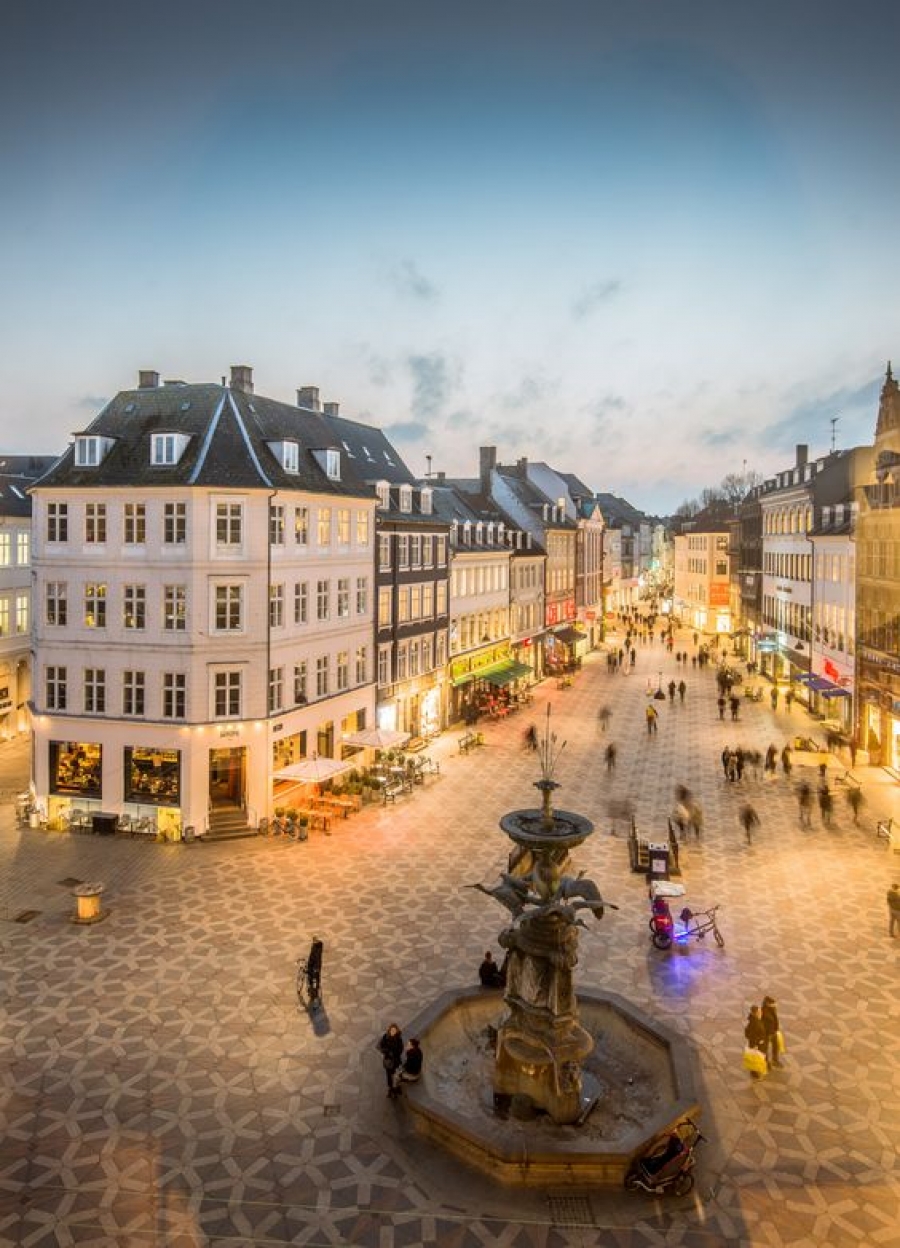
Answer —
834 421
428 462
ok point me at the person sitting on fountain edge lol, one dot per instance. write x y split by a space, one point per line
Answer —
490 974
411 1070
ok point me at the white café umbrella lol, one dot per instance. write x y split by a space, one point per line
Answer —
313 770
377 738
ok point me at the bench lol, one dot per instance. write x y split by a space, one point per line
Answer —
392 791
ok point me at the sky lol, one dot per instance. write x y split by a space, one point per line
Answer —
649 243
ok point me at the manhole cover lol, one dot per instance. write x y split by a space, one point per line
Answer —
69 882
26 916
570 1211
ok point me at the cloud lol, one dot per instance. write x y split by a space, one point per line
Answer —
809 419
606 416
435 377
594 296
91 402
529 392
409 282
408 430
720 437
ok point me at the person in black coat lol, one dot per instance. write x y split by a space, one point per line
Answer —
769 1015
755 1033
411 1070
391 1048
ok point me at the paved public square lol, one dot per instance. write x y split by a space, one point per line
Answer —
161 1085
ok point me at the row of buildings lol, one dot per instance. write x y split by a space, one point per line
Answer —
214 585
803 577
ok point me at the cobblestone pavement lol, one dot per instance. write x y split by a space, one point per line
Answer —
160 1085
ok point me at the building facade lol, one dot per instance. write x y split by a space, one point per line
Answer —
203 562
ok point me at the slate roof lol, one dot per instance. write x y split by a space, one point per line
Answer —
534 499
452 503
17 474
373 456
228 431
618 511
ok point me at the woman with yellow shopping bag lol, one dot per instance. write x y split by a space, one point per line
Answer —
774 1039
755 1050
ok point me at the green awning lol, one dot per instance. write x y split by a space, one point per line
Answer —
569 635
507 673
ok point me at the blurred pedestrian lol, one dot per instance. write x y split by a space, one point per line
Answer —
531 738
610 756
604 715
826 804
735 703
771 1026
786 761
652 717
755 1036
771 760
682 689
749 821
804 803
720 702
773 697
854 800
893 900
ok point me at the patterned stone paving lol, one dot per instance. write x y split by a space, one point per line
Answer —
159 1084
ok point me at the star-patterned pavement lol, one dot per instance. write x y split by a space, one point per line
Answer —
161 1083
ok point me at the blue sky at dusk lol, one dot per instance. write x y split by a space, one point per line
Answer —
651 243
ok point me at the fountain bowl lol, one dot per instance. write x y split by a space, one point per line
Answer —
645 1074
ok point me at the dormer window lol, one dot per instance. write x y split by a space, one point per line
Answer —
333 465
479 534
406 498
467 533
167 448
90 450
425 499
383 490
290 456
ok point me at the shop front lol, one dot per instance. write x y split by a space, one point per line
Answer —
564 649
227 776
75 779
468 680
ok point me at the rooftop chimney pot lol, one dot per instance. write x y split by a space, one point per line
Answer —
332 409
148 379
242 378
308 396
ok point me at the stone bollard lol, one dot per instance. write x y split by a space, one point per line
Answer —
87 904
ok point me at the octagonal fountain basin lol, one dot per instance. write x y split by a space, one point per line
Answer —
643 1070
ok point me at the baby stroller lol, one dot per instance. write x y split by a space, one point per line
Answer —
668 1165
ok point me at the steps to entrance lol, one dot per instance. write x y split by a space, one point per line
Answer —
228 823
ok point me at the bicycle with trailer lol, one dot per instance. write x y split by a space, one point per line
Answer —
663 930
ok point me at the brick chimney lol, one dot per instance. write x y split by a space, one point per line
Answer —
147 379
522 468
242 378
487 461
332 409
308 396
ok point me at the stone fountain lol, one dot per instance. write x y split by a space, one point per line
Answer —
546 1084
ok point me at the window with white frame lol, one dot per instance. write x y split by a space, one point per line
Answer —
23 548
402 662
229 524
415 602
428 600
4 616
322 606
135 533
362 664
342 670
406 498
166 448
384 665
300 677
322 666
425 500
403 550
440 650
441 551
362 528
427 550
413 658
22 604
56 688
441 605
57 522
301 602
343 526
343 597
5 550
175 524
384 552
227 695
415 550
174 703
134 606
333 465
276 606
301 526
276 524
94 605
383 490
362 595
290 456
174 608
402 604
87 452
323 527
276 689
95 523
133 693
94 691
385 614
57 606
229 608
427 654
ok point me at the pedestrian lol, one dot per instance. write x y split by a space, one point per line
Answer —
774 1039
826 804
755 1036
739 763
726 761
411 1070
604 715
391 1048
720 702
854 800
804 802
773 697
693 660
735 704
682 690
489 973
695 819
610 756
771 760
749 821
652 717
672 690
853 748
531 738
893 900
788 699
786 761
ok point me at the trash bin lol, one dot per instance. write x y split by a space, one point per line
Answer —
658 861
104 824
